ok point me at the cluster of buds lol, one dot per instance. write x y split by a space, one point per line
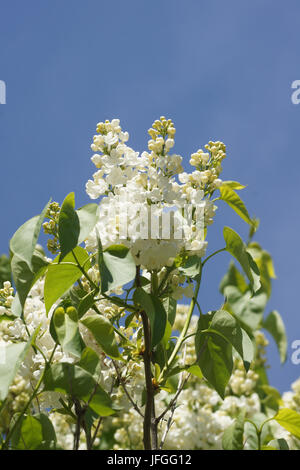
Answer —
51 227
6 298
208 167
261 344
104 128
59 315
109 135
216 152
162 136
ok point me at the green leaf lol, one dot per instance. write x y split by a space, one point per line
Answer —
61 276
233 435
89 360
86 303
250 431
11 357
282 444
101 403
103 332
24 240
155 312
233 277
195 370
68 226
248 309
170 306
76 382
34 433
272 398
191 267
228 327
5 270
87 216
236 247
167 335
27 261
234 201
116 266
275 326
216 363
233 185
24 276
214 356
67 332
289 420
265 265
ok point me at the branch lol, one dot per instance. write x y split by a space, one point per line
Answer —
125 389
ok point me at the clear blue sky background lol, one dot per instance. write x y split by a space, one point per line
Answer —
221 70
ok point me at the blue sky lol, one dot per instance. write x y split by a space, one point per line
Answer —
220 70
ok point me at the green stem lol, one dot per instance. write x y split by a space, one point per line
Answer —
149 386
149 406
185 328
213 254
34 394
84 272
154 282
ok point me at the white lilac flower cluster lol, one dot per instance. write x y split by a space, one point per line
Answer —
16 330
6 298
142 204
200 417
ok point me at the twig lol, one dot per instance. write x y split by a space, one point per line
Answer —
125 389
174 399
168 427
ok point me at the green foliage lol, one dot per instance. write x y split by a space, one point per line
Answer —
217 332
89 360
221 339
155 311
170 306
236 247
116 266
275 326
86 303
289 420
11 357
191 267
67 332
34 433
24 241
249 309
25 277
233 185
233 435
228 195
68 226
61 276
214 356
79 384
5 270
87 216
103 332
27 263
227 326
